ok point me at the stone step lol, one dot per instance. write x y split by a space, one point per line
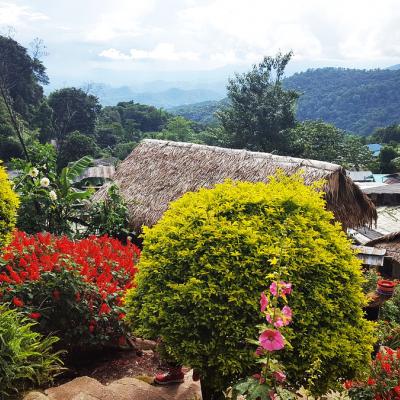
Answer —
86 388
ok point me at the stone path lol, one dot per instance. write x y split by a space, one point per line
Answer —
85 388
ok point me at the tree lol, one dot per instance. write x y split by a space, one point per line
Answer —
178 129
73 110
21 77
386 157
318 140
260 110
20 89
74 147
386 135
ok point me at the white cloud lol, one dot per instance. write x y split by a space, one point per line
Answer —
15 15
120 19
162 52
314 29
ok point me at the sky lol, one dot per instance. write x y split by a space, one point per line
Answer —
131 42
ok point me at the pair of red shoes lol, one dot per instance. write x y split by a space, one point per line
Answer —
174 375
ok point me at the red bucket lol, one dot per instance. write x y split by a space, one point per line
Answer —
385 287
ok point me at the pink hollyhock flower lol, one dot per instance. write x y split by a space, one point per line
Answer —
286 288
279 376
271 340
287 315
273 288
263 302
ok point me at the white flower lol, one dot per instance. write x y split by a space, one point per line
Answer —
34 172
53 195
44 182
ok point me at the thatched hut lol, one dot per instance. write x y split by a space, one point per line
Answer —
391 243
158 172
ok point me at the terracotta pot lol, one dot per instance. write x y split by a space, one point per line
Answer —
385 287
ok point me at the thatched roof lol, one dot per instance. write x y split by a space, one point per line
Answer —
158 172
390 242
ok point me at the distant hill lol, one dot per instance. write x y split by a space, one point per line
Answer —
357 101
202 112
167 98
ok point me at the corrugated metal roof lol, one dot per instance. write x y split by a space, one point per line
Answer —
101 171
360 176
371 255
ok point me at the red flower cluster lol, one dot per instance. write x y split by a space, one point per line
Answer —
384 380
103 268
104 261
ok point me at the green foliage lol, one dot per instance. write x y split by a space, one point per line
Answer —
178 129
386 159
320 141
21 75
203 267
26 357
122 150
109 216
203 112
49 200
357 101
371 280
75 146
9 203
260 109
386 135
390 310
73 110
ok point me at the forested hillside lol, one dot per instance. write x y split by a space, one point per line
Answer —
357 101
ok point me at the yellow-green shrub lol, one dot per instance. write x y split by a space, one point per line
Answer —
8 208
205 263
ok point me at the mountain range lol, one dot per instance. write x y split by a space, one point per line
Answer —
357 101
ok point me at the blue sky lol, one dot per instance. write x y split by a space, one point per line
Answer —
131 41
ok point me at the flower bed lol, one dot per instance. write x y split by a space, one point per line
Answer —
74 289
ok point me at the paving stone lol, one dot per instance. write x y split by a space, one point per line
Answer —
79 386
131 388
35 396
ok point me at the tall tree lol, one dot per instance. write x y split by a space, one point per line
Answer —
260 110
73 110
21 77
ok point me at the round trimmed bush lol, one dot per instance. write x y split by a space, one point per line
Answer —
206 261
8 208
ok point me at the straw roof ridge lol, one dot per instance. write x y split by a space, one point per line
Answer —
390 237
158 172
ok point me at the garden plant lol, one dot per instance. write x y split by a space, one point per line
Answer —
8 208
26 357
74 289
205 263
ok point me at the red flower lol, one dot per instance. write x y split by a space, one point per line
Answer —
348 384
35 315
121 316
18 302
91 328
56 294
104 309
396 389
371 381
387 367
